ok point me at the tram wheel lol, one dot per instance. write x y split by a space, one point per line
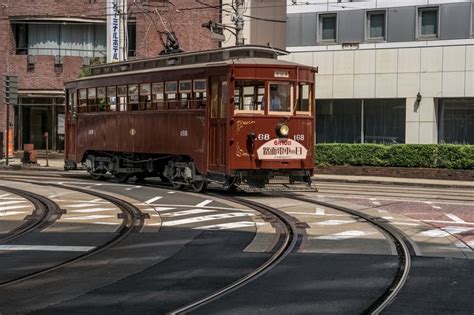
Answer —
98 175
199 186
121 177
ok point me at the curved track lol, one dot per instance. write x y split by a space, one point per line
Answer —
290 238
133 220
403 247
45 213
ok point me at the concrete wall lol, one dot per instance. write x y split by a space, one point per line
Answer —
434 70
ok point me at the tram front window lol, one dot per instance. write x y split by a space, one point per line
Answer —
248 95
280 97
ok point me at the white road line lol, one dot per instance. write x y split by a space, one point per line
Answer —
226 226
204 203
159 209
427 202
342 235
376 203
4 195
436 207
448 222
446 231
171 192
205 218
455 218
186 212
134 187
11 213
93 210
387 218
404 223
335 222
46 248
320 211
14 207
89 217
312 213
470 244
105 223
80 205
152 200
13 202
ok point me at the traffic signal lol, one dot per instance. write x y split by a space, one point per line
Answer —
11 89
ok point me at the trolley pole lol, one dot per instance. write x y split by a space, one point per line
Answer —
239 22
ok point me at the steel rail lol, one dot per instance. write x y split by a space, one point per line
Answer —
46 212
286 247
402 244
133 220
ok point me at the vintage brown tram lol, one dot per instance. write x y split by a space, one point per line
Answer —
231 116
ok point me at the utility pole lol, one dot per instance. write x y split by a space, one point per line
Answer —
10 98
239 22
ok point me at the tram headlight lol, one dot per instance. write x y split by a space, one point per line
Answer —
282 130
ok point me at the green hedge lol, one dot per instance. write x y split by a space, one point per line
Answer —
399 155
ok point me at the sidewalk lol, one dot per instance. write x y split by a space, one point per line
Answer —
56 165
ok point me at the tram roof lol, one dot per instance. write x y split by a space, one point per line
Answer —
250 53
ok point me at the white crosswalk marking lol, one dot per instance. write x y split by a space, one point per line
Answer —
186 212
342 235
11 213
204 203
13 202
471 244
159 209
152 200
205 218
320 211
335 222
89 217
446 231
4 195
14 207
93 210
455 218
80 205
46 248
226 226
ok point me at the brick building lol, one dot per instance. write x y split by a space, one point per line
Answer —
47 42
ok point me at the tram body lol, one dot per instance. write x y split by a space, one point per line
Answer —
195 118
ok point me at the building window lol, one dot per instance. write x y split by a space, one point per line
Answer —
456 121
379 121
376 25
328 27
428 22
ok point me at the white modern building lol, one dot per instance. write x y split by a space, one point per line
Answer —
390 71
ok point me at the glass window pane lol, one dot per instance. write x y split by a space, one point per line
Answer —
456 121
338 121
249 95
377 25
304 98
429 22
384 121
280 97
328 28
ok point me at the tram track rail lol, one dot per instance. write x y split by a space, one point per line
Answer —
402 245
133 221
45 213
287 245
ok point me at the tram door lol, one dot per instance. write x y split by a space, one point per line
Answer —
70 140
217 124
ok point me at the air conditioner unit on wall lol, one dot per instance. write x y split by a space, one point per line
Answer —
30 62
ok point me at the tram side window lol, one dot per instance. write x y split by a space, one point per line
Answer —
248 95
157 96
92 99
185 94
200 94
133 97
101 98
171 90
112 98
82 101
279 97
122 97
303 103
145 96
72 103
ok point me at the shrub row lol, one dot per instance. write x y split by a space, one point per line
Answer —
400 155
